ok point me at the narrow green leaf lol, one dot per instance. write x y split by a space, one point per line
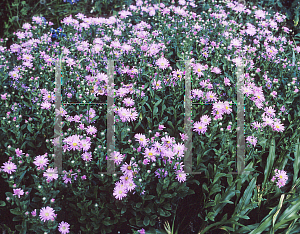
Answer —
270 162
296 163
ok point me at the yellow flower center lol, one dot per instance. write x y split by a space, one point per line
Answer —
162 64
226 107
74 144
120 191
9 167
258 96
141 139
210 96
277 126
199 70
280 176
150 154
129 168
200 127
47 214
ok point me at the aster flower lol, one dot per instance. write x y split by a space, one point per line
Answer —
205 119
128 101
216 70
156 84
219 107
133 115
252 140
87 156
167 140
51 174
63 227
277 126
269 111
46 105
260 14
9 167
200 127
141 139
181 176
91 130
124 114
150 153
18 192
68 177
117 157
74 142
256 125
47 213
197 93
119 193
226 81
198 68
210 96
267 121
40 161
162 63
85 144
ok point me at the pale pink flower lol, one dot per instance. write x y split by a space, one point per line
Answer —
162 63
9 167
47 213
63 227
18 192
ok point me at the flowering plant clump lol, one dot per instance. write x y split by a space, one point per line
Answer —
137 55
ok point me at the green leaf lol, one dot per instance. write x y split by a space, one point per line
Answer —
167 195
147 210
146 221
2 203
155 111
16 211
161 212
158 189
204 186
218 175
296 163
29 128
173 185
79 205
270 162
163 109
245 199
21 177
138 205
149 197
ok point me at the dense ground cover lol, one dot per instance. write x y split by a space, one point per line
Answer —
150 107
